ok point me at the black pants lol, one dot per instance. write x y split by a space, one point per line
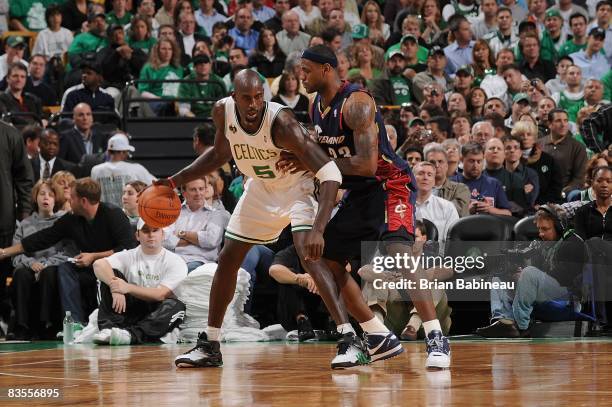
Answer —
145 321
35 302
6 268
294 300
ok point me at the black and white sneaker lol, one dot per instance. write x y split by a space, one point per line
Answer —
205 354
438 350
351 352
383 345
305 331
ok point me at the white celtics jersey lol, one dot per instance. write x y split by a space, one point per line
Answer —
255 154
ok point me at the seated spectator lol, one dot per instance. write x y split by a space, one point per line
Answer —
414 155
15 100
129 200
571 99
459 52
288 94
481 133
31 138
27 15
513 185
89 91
47 163
119 15
392 88
197 234
453 156
484 61
146 10
62 181
87 43
557 275
533 65
187 36
164 64
120 62
439 127
559 84
438 211
591 60
206 16
379 31
38 270
74 14
461 123
243 33
514 165
456 102
292 64
588 194
275 22
139 35
487 194
595 218
54 40
209 87
549 177
566 151
298 305
117 171
82 139
98 230
291 39
139 306
362 54
520 105
268 59
454 192
36 83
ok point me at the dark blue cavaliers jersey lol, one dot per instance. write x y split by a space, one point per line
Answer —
337 140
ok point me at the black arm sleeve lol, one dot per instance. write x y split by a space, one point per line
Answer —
48 237
122 231
21 171
598 122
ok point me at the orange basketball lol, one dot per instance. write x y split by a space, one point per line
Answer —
159 206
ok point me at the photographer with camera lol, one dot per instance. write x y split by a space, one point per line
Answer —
554 273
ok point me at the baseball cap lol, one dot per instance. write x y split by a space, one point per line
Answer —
393 53
201 59
598 32
409 37
15 41
360 31
436 49
112 28
416 120
553 13
93 16
141 224
520 97
465 69
89 62
119 142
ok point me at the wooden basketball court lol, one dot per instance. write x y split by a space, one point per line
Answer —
484 373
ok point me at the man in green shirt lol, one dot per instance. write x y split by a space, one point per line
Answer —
90 42
392 88
119 15
572 98
578 25
211 88
553 36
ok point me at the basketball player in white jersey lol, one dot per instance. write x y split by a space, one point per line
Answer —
254 132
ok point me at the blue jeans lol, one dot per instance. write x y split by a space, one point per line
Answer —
534 286
259 258
192 265
78 289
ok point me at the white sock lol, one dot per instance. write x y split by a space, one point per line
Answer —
433 325
345 328
374 325
213 333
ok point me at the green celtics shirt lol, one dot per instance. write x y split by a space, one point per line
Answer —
571 103
569 48
214 90
401 91
111 18
162 90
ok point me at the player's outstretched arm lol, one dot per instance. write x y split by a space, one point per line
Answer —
359 114
290 135
213 158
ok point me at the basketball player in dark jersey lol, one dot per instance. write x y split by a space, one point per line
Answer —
380 202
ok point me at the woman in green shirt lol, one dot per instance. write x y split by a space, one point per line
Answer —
484 61
164 64
362 55
139 35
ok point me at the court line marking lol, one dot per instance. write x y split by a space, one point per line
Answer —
76 358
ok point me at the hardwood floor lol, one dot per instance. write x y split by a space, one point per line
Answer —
484 373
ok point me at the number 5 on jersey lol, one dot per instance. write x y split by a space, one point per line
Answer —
264 171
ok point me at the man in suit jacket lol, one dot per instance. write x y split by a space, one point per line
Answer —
81 140
47 162
15 100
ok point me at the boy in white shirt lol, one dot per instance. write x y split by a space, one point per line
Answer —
137 302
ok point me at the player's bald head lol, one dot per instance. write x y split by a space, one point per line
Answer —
247 80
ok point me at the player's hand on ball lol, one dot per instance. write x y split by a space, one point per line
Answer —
165 182
84 260
314 245
119 286
288 162
118 303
